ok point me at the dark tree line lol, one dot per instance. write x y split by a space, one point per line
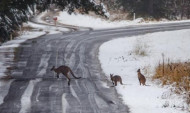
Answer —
170 9
14 12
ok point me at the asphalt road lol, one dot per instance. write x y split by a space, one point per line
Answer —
35 89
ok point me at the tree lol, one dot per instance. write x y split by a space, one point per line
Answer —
14 12
171 9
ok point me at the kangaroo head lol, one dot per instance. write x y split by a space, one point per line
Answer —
111 75
138 70
52 68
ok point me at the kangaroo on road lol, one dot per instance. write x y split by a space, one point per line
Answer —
116 79
65 71
141 77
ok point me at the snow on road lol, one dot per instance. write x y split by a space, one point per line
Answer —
10 48
11 45
4 86
118 57
26 97
64 103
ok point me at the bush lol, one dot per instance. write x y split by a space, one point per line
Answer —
177 74
140 48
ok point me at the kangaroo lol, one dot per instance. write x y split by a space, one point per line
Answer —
141 77
65 71
116 79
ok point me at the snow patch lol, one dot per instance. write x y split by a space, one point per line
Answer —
64 103
97 23
18 40
43 64
26 97
117 56
4 88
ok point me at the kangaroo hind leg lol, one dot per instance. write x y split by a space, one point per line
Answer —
69 80
115 83
57 75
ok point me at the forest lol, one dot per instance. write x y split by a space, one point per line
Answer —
169 9
14 12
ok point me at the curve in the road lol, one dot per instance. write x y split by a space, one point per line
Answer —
78 50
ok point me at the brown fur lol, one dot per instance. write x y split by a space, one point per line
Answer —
65 71
141 77
116 79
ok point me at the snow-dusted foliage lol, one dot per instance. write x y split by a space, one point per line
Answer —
14 12
106 13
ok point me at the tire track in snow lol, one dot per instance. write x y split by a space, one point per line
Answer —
43 65
4 89
64 103
26 97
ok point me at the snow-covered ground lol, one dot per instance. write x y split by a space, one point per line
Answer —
121 60
47 29
97 23
118 57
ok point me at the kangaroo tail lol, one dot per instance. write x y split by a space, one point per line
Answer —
121 82
74 75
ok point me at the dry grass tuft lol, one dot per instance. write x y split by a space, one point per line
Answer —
177 74
26 28
140 51
140 48
6 78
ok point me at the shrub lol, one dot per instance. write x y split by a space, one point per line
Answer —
177 74
140 48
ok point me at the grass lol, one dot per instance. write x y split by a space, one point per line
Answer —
6 78
140 48
26 28
177 74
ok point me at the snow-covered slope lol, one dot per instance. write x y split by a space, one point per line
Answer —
97 23
118 57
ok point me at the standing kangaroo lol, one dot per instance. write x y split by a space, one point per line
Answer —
116 79
141 77
65 71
